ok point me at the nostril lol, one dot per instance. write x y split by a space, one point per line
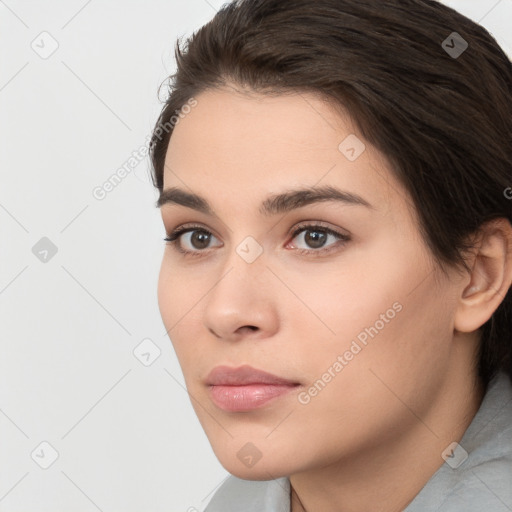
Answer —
250 327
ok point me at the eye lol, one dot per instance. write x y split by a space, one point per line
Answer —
199 238
315 237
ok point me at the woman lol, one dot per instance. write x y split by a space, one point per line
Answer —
334 180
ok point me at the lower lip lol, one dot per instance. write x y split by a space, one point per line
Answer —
248 397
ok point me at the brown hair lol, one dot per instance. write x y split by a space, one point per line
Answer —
443 119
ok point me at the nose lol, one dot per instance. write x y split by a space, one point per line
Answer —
242 303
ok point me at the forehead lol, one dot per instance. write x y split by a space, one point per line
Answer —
254 144
289 123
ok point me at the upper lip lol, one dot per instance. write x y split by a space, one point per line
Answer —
243 375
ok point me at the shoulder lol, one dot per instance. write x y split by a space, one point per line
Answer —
486 485
481 478
237 495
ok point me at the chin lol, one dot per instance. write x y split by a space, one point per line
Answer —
245 461
259 471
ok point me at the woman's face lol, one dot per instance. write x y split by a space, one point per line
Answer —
360 321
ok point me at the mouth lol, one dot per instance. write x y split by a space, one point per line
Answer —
245 388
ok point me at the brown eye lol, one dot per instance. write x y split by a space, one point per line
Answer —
198 240
315 237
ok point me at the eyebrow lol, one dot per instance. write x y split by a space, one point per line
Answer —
272 205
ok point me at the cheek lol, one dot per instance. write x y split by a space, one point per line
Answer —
167 300
177 301
398 362
179 291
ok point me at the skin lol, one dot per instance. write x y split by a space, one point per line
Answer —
374 435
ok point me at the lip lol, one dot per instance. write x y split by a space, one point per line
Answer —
245 388
242 376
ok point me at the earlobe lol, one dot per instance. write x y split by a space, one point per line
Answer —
490 278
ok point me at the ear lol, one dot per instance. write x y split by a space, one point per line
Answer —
490 278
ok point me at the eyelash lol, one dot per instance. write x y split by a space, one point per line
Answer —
173 239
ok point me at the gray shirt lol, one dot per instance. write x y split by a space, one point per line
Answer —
476 477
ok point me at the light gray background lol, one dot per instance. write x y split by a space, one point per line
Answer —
126 435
